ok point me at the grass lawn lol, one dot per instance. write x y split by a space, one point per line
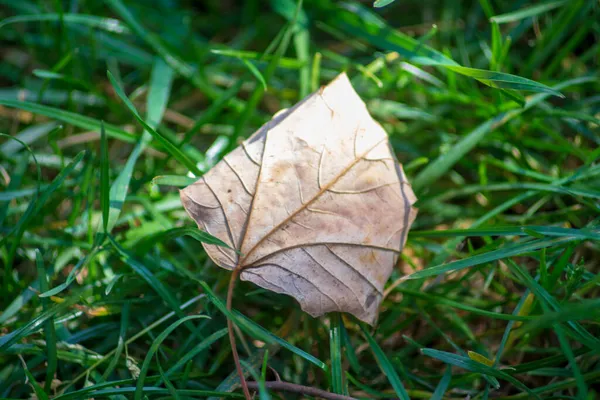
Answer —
107 108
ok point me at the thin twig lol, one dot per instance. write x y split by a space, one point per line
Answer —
282 386
236 357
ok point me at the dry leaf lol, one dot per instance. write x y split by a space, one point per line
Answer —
315 202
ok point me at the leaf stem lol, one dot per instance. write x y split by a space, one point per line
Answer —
236 357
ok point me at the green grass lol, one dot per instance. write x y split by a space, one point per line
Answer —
106 107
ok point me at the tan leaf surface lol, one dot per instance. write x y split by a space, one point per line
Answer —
314 201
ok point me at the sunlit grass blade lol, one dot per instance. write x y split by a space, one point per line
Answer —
93 21
284 62
258 93
158 96
173 180
527 12
501 80
359 21
169 147
470 365
502 253
335 351
446 161
173 233
70 118
252 68
362 22
382 3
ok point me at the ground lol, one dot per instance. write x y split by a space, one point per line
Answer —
491 107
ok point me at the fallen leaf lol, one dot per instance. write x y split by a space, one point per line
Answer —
314 202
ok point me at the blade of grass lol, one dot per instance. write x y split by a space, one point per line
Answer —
258 93
121 343
49 331
168 384
526 230
470 365
287 9
93 21
174 151
16 179
32 210
258 331
584 336
527 12
169 234
254 71
385 364
502 253
139 390
39 391
82 263
13 337
582 389
173 180
382 3
172 59
263 393
148 276
104 185
335 351
70 118
27 136
141 333
443 300
350 352
158 96
446 161
203 345
443 385
362 22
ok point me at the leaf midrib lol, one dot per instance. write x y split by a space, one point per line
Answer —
299 209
